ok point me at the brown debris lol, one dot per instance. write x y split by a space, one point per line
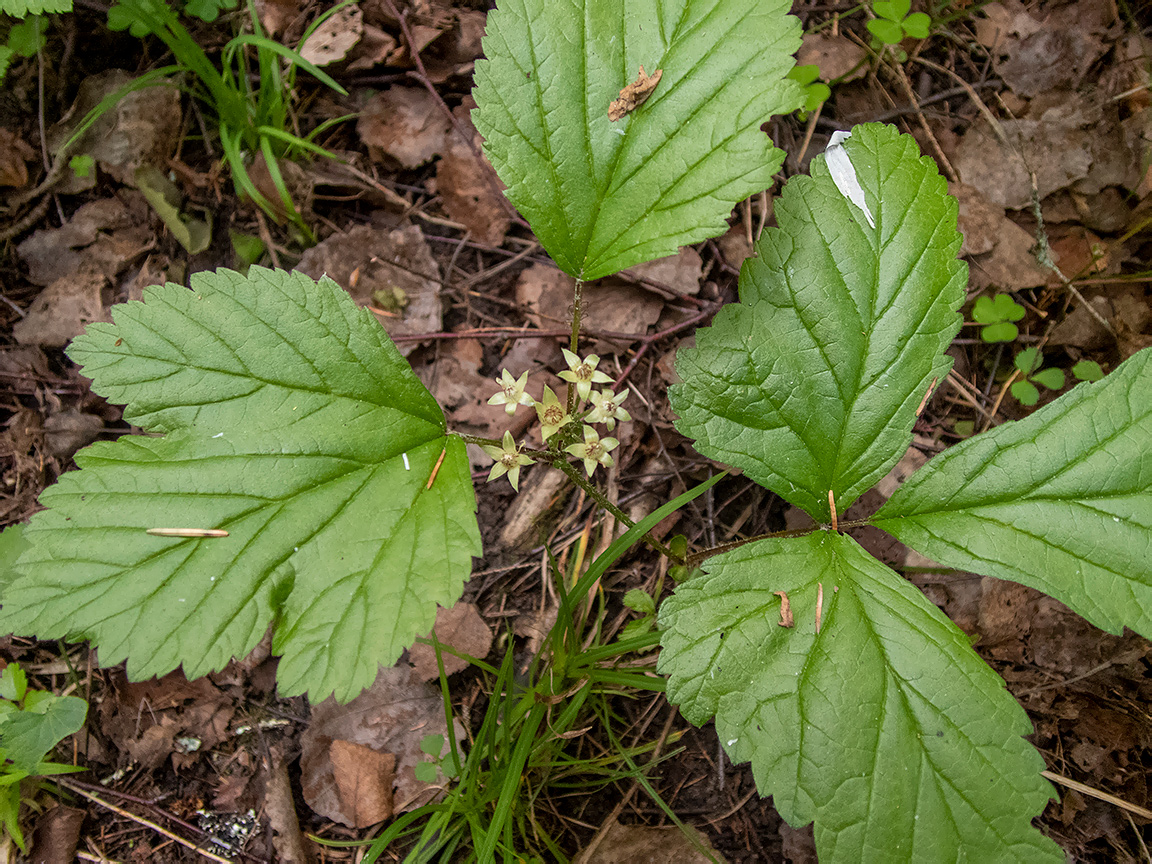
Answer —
459 627
633 95
465 188
363 781
403 124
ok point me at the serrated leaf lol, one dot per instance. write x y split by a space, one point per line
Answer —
639 600
603 196
27 736
1060 501
296 426
813 380
20 8
884 727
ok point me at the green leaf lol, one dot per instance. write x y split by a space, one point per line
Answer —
813 380
1053 379
425 772
1087 370
1028 360
20 8
27 37
6 55
12 546
195 235
1025 392
603 195
1060 501
432 745
888 32
1002 307
208 10
29 735
82 165
639 600
884 727
917 25
296 426
1004 331
13 683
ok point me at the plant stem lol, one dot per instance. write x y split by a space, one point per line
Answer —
574 339
599 497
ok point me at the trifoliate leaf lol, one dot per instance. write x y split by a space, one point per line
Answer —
813 380
604 195
1028 360
1060 501
296 426
884 727
917 25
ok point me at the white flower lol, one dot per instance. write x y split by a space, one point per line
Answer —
551 413
582 373
509 460
594 450
608 410
511 392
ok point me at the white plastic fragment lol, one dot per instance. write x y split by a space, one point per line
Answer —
407 467
844 175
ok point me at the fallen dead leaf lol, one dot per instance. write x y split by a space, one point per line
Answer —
404 124
62 310
680 272
363 781
14 154
640 844
67 431
332 40
143 127
391 716
459 627
837 56
102 236
465 188
56 835
1058 51
633 95
384 268
372 49
999 250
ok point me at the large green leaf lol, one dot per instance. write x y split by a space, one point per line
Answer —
884 727
604 195
295 425
812 382
1060 501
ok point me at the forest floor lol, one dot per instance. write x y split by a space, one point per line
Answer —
410 222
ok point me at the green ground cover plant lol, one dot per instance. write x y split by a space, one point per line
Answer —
304 476
32 723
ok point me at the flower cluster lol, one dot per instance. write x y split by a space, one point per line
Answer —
553 415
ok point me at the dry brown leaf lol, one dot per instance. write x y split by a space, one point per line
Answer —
56 835
640 844
999 250
103 236
372 49
680 272
633 95
364 781
332 40
459 627
276 15
466 188
391 716
62 310
375 266
837 56
67 431
404 124
14 153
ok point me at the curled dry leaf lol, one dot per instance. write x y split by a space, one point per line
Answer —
332 40
363 781
633 95
460 627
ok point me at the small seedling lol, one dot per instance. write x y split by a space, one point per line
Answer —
32 723
893 22
997 314
426 771
1028 364
639 601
